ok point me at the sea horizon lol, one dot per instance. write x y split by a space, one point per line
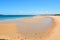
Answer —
3 17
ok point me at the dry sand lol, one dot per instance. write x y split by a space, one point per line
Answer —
8 30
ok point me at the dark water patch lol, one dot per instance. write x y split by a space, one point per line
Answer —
2 17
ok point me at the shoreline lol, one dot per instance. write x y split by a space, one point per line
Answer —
9 28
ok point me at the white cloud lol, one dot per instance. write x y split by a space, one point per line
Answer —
26 12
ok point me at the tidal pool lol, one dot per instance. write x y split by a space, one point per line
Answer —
31 29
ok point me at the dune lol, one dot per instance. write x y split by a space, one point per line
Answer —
46 29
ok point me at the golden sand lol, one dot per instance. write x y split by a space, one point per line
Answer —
8 30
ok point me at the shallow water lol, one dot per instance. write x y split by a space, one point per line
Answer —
30 28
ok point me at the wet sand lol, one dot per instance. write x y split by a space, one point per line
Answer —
9 30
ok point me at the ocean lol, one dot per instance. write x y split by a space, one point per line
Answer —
3 17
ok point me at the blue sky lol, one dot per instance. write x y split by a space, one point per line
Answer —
27 7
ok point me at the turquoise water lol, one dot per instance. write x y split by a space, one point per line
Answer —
3 17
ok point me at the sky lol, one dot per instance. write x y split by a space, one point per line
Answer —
29 7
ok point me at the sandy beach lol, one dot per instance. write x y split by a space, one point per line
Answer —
9 29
